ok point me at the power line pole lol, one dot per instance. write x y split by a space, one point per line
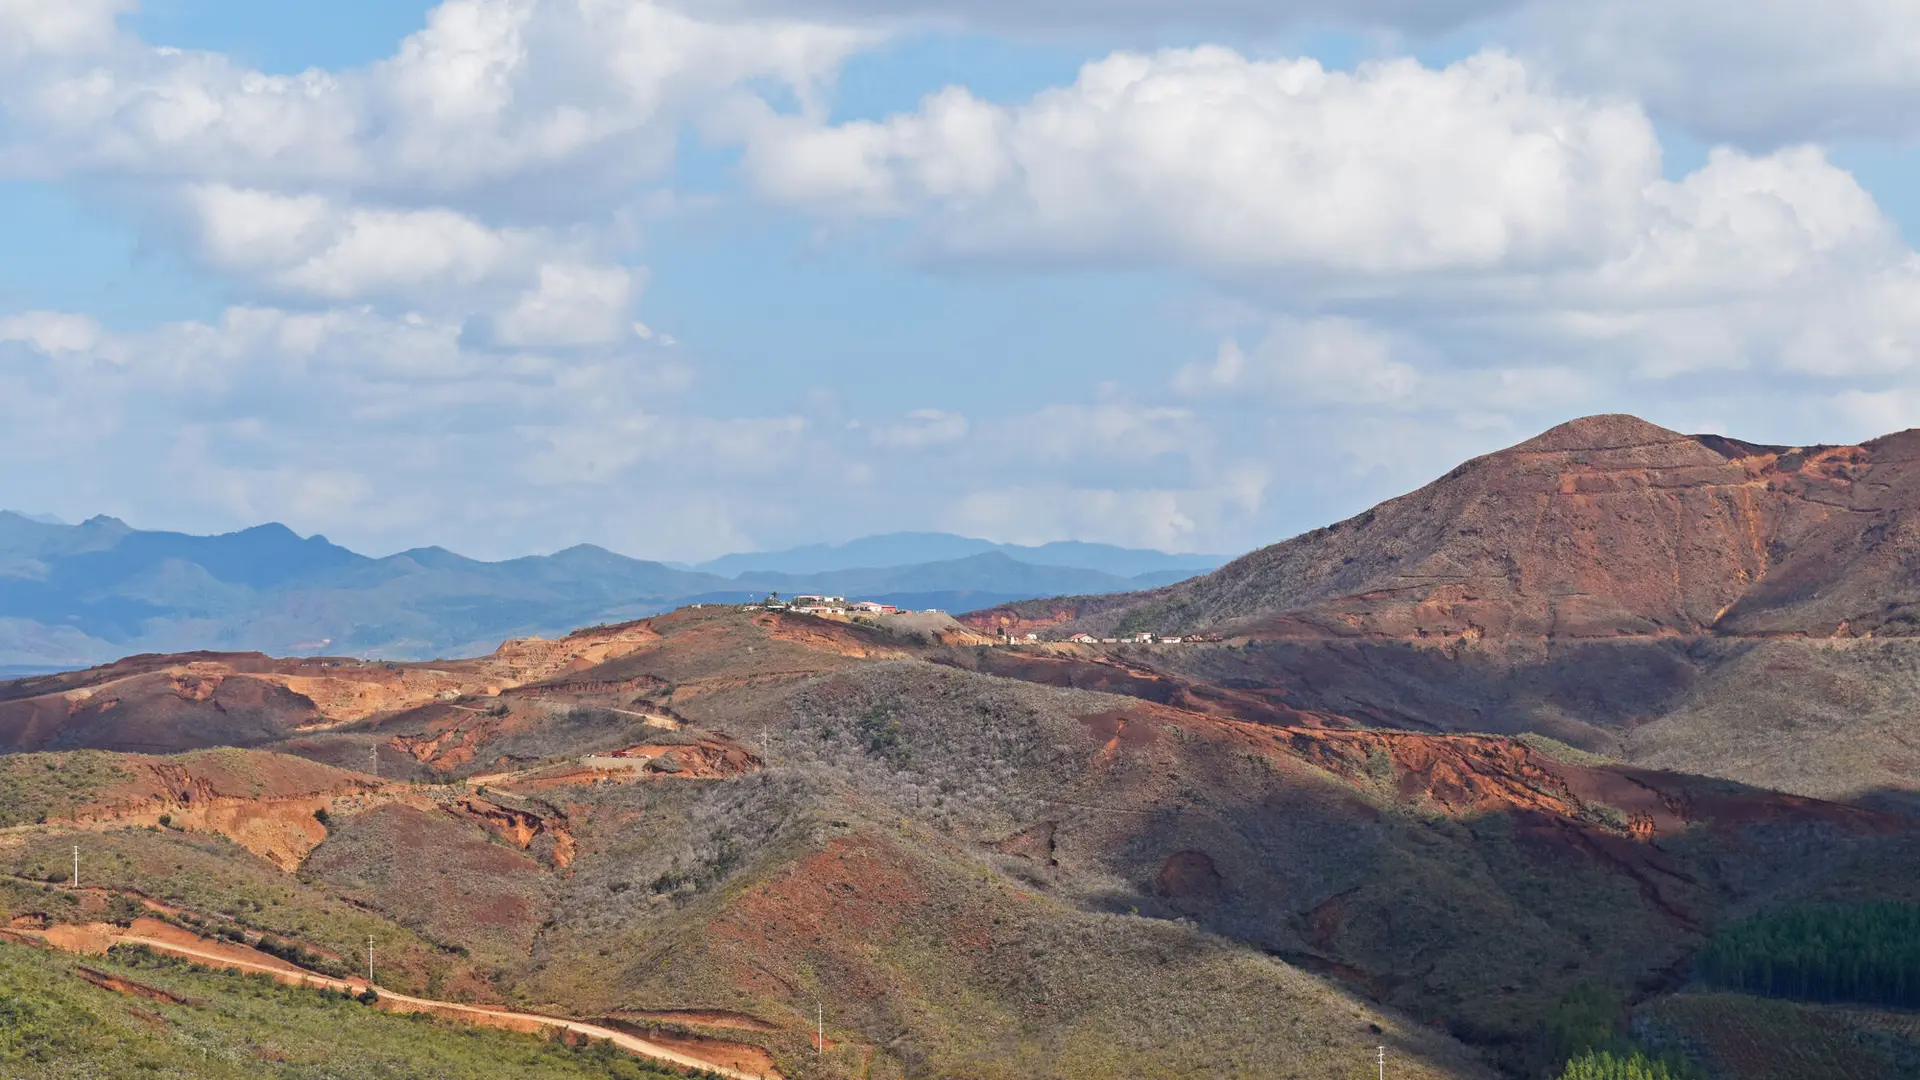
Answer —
1382 1058
76 866
369 961
374 753
820 1020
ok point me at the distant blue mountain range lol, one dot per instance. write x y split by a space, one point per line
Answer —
74 595
912 548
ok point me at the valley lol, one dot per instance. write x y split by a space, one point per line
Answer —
1485 814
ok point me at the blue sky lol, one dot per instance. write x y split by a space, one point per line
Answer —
510 275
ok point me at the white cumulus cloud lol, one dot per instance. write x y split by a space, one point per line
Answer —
1208 158
573 304
312 246
489 91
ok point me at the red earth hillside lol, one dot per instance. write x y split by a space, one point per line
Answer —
1602 527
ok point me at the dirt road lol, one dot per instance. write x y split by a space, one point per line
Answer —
479 1014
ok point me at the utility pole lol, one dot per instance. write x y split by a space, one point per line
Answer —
820 1020
369 961
1382 1058
76 866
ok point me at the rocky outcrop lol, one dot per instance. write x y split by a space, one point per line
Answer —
521 828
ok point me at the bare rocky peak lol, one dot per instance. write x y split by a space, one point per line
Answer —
1605 526
1607 431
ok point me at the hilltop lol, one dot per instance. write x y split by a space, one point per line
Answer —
1600 528
1685 601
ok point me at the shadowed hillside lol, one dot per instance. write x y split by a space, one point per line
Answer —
1691 602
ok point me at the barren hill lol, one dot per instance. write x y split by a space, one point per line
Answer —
983 861
1685 601
1606 526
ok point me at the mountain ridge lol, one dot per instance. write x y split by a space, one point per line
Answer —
77 595
1694 534
908 548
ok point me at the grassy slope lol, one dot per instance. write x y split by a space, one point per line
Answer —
1826 719
52 1024
931 963
445 879
214 878
42 787
49 787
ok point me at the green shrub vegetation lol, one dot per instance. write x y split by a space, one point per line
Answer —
1607 817
1866 953
42 787
53 1024
230 892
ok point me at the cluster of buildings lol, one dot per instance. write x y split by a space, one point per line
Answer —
831 605
841 607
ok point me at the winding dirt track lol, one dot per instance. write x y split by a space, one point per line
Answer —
492 1017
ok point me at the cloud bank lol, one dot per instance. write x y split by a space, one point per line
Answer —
438 264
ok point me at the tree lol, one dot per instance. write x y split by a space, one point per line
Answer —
1602 1065
122 910
1867 953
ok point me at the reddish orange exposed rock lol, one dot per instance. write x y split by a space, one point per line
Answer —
1458 774
520 827
1466 775
1602 527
